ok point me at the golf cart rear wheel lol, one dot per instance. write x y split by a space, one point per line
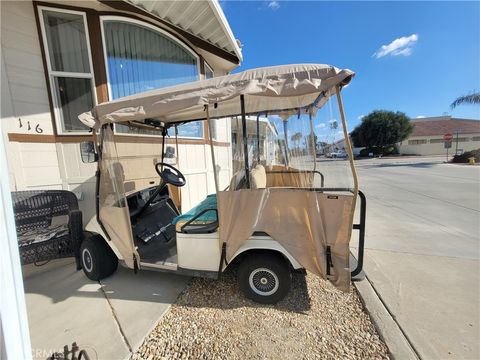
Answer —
97 259
264 278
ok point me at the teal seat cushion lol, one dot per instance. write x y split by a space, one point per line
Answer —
210 202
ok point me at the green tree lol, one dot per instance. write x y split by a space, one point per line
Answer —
382 128
466 99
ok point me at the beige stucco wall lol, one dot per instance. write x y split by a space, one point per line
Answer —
58 165
438 148
25 108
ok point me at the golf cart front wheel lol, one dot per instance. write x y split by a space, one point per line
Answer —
97 259
264 278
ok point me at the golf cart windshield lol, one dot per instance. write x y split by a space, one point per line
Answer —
282 121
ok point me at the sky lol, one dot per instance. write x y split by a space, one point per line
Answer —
414 57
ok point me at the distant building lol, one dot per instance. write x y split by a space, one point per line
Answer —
427 136
342 145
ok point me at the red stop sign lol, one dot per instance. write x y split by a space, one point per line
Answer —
447 137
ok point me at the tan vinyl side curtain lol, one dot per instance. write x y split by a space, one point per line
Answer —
113 208
304 222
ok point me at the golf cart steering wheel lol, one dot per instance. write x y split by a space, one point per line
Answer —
170 174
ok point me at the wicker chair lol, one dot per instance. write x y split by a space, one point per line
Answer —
49 225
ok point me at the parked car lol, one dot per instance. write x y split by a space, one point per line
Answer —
337 154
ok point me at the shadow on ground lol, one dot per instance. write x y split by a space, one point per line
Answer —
224 293
413 165
60 281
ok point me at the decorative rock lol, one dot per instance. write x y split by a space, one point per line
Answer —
213 320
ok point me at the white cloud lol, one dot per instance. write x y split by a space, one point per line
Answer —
420 116
360 117
401 46
332 121
320 126
273 4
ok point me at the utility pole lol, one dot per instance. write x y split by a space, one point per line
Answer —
456 145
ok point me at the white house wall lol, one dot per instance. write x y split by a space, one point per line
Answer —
49 165
25 107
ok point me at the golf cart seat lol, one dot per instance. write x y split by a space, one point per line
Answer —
258 179
201 219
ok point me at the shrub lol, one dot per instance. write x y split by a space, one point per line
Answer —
463 158
376 150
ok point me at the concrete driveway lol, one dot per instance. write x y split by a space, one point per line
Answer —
108 319
422 250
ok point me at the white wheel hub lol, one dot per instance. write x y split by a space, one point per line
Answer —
263 281
87 260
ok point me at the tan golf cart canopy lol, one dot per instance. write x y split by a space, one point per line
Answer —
269 89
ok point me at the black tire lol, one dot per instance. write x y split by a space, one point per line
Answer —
264 278
97 259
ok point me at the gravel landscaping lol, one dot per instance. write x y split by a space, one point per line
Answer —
212 320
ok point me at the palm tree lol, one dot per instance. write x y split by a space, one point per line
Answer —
466 99
296 138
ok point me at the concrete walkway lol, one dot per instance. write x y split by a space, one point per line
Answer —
422 251
109 320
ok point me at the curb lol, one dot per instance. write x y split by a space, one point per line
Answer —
388 329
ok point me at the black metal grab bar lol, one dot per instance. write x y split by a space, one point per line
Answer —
189 222
361 234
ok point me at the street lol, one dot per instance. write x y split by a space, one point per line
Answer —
422 250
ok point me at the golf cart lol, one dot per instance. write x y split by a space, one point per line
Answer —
276 208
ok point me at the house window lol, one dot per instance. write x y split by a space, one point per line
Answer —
192 129
436 141
208 72
417 142
140 57
476 138
69 66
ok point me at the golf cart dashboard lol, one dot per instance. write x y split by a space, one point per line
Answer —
151 215
137 200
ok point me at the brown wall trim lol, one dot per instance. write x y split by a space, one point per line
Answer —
219 143
202 67
205 45
31 138
62 6
65 139
96 49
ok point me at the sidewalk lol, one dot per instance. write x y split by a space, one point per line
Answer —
108 320
422 252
